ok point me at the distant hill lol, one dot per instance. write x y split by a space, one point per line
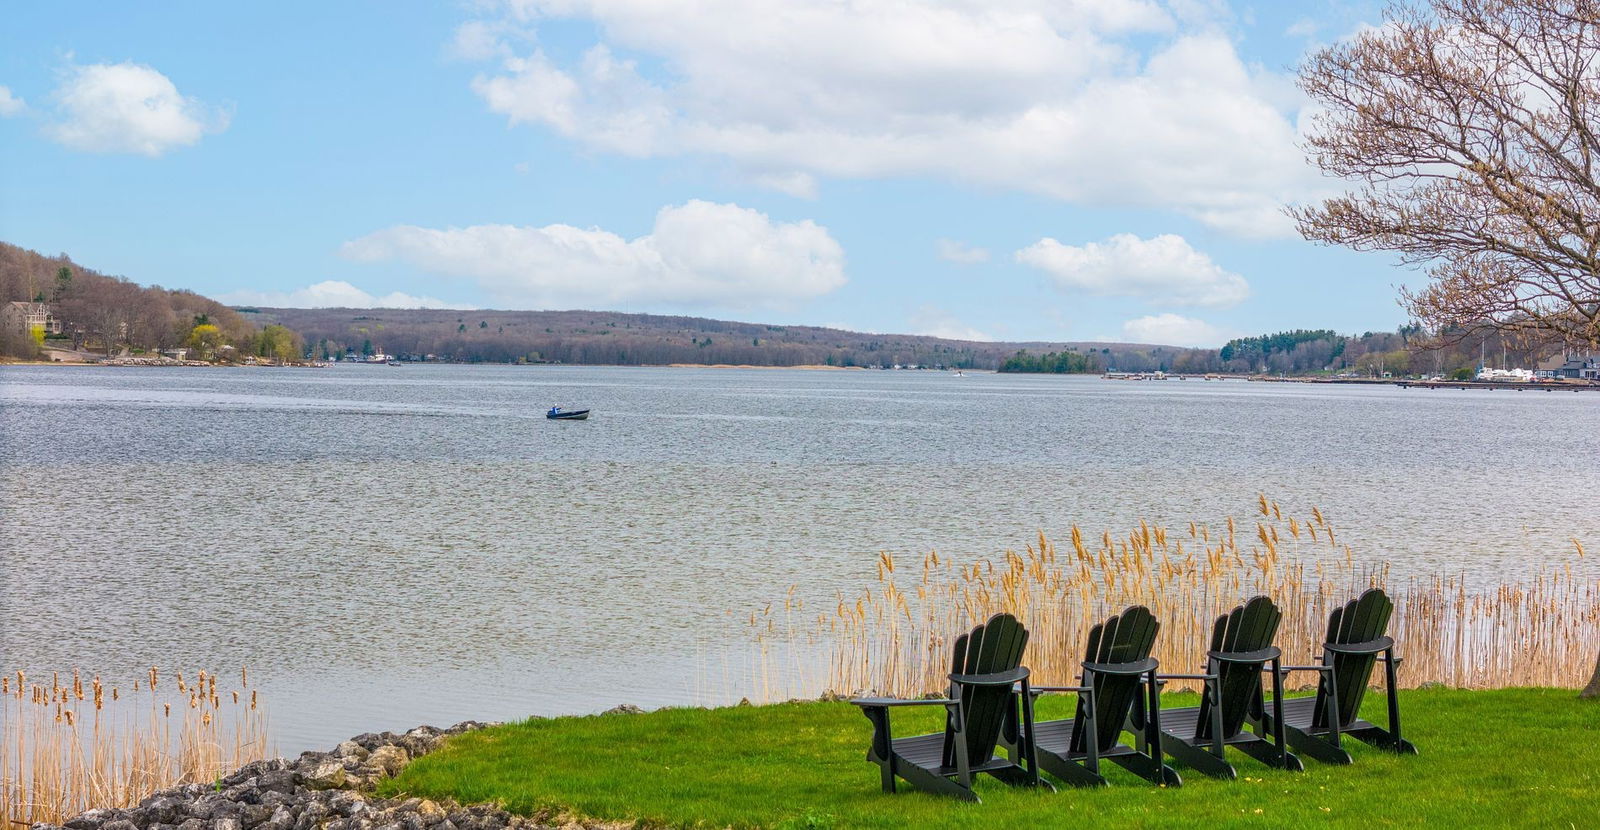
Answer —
615 338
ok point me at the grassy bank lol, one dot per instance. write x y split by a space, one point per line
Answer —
1511 757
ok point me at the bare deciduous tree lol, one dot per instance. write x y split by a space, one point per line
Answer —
1469 131
1468 128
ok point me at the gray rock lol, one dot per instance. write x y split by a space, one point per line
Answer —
119 824
244 792
281 819
390 759
328 775
280 781
624 709
192 824
275 799
90 820
251 815
226 823
351 749
161 809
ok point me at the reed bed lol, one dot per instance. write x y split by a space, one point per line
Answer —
893 637
72 742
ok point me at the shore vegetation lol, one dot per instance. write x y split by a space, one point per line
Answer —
1457 630
73 742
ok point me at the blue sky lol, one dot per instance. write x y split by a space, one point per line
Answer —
1010 169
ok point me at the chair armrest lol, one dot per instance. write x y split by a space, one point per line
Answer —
886 702
1039 690
1287 669
1186 677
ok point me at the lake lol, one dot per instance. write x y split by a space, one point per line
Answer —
388 546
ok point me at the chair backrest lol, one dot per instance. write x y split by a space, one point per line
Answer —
1360 620
1121 641
1248 628
993 647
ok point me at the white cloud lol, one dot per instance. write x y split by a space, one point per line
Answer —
479 40
10 104
1069 100
699 254
951 250
1175 330
798 185
936 322
1305 27
330 294
1163 269
128 108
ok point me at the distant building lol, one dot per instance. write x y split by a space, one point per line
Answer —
1571 366
26 317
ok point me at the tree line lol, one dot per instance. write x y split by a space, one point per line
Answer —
616 338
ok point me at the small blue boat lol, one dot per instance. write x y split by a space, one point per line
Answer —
556 413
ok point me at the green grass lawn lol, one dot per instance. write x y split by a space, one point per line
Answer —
1519 757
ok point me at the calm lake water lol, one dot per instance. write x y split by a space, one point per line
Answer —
392 546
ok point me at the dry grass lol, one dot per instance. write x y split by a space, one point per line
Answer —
892 638
75 743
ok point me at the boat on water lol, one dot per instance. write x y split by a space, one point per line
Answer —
556 413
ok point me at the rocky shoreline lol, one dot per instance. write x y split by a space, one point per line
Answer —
322 791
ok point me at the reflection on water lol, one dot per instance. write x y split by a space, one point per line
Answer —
385 547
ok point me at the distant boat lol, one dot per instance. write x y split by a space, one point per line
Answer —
394 363
556 413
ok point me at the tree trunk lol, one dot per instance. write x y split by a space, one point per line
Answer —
1592 690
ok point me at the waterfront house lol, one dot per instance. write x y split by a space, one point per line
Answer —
25 318
1571 366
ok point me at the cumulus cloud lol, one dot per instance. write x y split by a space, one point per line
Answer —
698 254
960 252
10 104
1175 330
1163 269
1067 99
330 294
936 322
128 108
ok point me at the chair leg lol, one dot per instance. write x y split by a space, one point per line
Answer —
1383 739
931 782
1146 767
1021 777
1268 753
1197 758
882 752
1316 746
1069 771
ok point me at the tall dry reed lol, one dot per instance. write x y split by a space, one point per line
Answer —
73 742
894 637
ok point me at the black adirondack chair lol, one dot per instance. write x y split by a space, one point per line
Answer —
1356 642
1241 649
988 700
1117 689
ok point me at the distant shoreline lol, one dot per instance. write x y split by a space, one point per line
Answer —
752 366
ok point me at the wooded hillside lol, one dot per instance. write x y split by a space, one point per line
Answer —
606 337
104 312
